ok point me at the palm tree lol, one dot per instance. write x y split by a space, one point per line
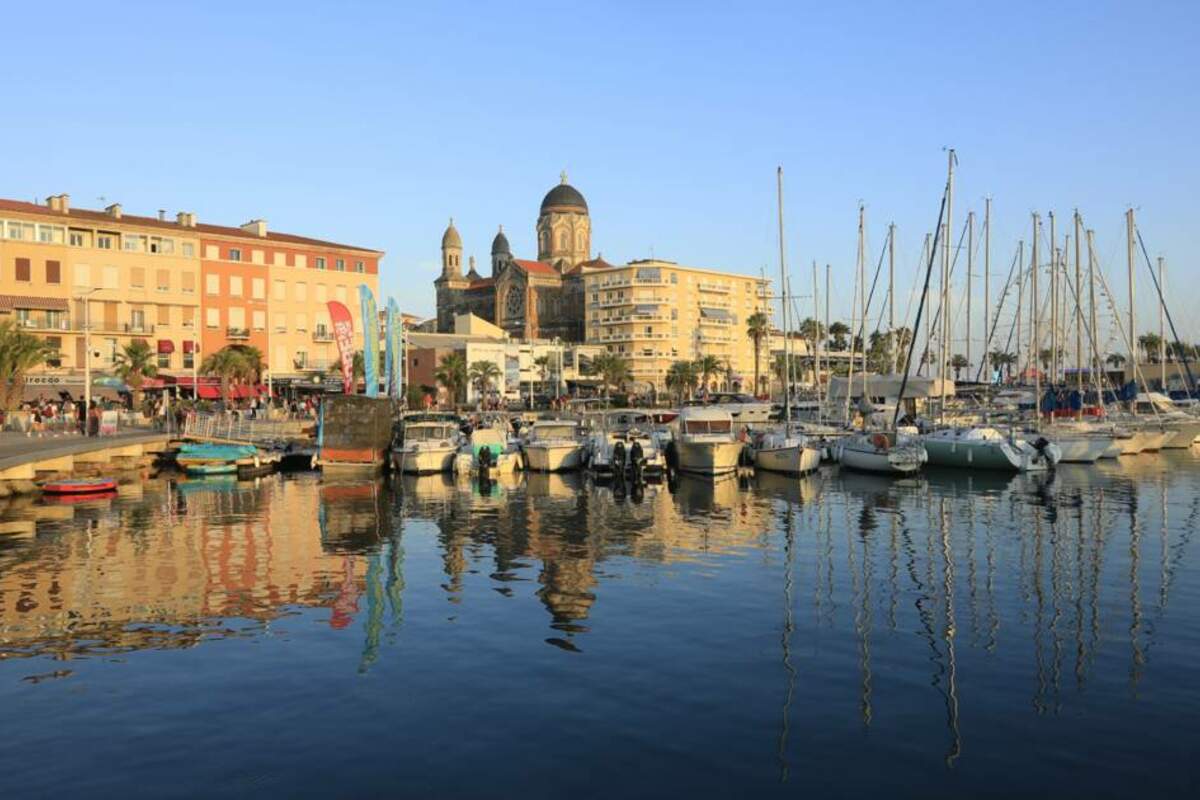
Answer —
1045 355
838 331
482 374
133 365
812 330
707 367
542 363
757 328
613 370
1001 359
1150 344
452 373
958 362
230 364
1115 360
19 353
681 379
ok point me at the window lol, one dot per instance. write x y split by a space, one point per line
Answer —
320 262
212 252
53 272
137 319
21 231
212 284
104 241
164 360
189 360
258 288
301 292
259 320
23 269
322 292
189 316
237 317
360 266
280 290
54 359
301 260
280 322
160 245
235 287
302 323
163 280
189 250
301 360
339 293
340 265
163 316
189 282
674 278
235 254
83 275
137 277
78 239
279 259
133 243
212 317
111 277
256 256
50 234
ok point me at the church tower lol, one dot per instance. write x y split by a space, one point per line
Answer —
564 229
501 253
450 285
452 248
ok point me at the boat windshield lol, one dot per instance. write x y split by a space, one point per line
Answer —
708 426
428 433
554 432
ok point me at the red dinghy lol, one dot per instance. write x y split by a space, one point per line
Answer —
80 486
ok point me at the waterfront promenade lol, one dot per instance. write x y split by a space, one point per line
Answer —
21 456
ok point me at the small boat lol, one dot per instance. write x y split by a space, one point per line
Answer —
553 446
984 447
625 442
780 451
213 459
883 452
80 486
215 468
489 447
704 442
428 446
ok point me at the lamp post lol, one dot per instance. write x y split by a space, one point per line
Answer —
87 350
558 384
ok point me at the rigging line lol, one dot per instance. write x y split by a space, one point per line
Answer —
996 320
920 308
862 327
950 275
1178 344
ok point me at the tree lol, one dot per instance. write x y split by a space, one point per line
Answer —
812 330
1151 344
452 373
358 367
232 364
1001 360
838 331
1115 360
20 352
482 374
958 362
1045 356
542 364
133 365
707 367
681 379
613 370
757 328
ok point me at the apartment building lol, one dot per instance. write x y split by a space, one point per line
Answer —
656 312
185 288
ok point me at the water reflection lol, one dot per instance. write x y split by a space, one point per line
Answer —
943 596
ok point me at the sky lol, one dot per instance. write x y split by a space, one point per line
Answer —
374 123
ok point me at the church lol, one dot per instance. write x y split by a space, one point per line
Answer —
540 299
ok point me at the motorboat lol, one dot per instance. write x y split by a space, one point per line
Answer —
742 408
1182 427
983 447
703 441
428 445
214 459
626 441
888 452
490 448
785 451
553 446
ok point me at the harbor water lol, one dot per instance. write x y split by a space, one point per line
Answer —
949 634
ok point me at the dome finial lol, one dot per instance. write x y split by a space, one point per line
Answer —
563 176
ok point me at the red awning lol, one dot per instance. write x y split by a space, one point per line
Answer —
189 346
166 346
209 391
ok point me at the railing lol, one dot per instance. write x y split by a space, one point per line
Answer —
45 324
708 286
237 333
322 336
236 428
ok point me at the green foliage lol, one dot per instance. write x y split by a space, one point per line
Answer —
482 374
452 373
20 352
613 370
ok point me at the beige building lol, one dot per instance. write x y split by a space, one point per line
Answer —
656 312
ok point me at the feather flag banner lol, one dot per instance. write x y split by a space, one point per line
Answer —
370 321
343 333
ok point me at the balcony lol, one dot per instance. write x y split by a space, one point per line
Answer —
709 286
322 335
45 323
237 333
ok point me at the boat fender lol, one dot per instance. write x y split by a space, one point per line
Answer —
618 457
879 441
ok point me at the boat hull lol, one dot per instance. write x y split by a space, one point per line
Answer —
708 458
553 458
795 459
1084 449
896 460
972 455
1182 436
425 461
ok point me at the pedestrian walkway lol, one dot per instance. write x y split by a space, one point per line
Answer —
17 448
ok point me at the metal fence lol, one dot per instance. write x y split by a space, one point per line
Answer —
236 428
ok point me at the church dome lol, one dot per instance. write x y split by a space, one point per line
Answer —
564 196
451 238
500 243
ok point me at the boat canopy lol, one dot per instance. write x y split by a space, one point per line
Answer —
888 386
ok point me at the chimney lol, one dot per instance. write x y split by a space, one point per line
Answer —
59 202
258 227
114 210
185 219
162 215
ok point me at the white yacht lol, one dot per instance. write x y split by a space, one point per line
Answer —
1182 426
554 446
742 408
704 442
502 456
785 451
428 445
613 439
887 452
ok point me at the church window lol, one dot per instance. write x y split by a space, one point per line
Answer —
562 240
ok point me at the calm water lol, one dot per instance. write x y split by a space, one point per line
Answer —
839 634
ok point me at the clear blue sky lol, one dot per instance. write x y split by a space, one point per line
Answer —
372 123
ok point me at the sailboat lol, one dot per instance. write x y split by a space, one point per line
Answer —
786 450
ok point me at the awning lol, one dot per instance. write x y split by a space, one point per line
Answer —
11 302
189 346
715 313
166 346
236 391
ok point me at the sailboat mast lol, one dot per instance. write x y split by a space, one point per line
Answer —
1078 317
894 345
862 289
987 276
1097 364
1020 297
925 258
1162 333
946 282
826 397
1132 316
787 361
970 269
1034 328
1053 302
817 331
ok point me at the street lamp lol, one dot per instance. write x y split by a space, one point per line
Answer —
87 349
558 384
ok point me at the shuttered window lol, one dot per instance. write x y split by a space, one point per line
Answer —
23 269
53 272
